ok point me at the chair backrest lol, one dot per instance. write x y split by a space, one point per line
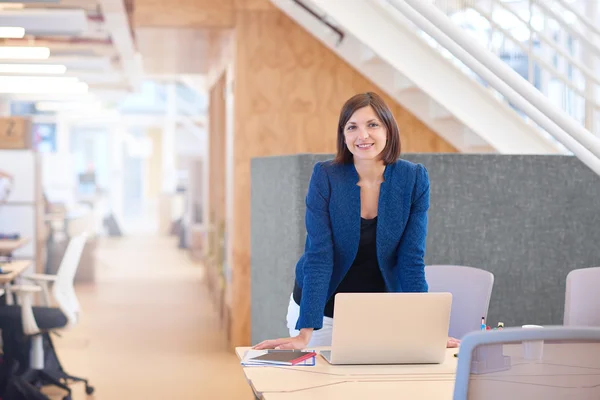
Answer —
63 290
555 362
582 297
471 290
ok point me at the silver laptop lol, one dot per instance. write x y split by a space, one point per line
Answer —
390 328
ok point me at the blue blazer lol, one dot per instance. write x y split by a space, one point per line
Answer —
333 232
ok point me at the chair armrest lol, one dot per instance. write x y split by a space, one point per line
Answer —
24 288
40 277
42 280
25 295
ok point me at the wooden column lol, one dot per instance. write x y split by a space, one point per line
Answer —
215 259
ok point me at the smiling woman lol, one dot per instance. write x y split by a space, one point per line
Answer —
366 224
367 130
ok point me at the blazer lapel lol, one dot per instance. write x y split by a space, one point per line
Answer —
352 213
392 213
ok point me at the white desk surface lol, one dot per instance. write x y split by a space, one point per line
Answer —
326 381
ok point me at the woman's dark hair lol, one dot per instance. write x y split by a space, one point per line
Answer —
391 152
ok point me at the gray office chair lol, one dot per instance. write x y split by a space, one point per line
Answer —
582 298
471 290
547 363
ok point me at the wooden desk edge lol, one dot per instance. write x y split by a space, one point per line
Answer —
16 267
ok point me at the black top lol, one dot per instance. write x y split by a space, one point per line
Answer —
364 275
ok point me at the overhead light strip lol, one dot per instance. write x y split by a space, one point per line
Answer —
11 32
24 53
44 69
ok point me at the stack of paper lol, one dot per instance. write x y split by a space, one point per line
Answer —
260 358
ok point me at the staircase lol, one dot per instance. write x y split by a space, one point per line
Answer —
379 41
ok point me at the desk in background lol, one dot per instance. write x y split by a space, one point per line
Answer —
14 269
326 381
8 246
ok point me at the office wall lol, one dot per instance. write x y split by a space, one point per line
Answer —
527 219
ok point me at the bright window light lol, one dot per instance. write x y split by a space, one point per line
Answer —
8 32
44 69
24 53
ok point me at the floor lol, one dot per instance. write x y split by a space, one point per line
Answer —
148 328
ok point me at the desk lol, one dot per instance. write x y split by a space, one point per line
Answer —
326 381
8 246
15 268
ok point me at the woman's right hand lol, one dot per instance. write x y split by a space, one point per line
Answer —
292 343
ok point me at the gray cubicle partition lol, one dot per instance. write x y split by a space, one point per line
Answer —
528 219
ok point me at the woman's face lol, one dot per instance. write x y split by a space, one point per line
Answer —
366 135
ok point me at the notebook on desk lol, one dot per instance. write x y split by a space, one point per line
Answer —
279 357
390 328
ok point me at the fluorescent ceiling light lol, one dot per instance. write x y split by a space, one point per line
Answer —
32 69
38 84
12 6
76 88
9 32
39 80
67 106
24 53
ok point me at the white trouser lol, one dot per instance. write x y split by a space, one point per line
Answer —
321 337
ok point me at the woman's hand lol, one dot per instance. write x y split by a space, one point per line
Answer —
452 343
293 343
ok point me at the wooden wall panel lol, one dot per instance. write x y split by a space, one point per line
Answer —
173 50
289 89
263 5
217 151
184 13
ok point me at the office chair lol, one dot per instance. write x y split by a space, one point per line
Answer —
549 363
582 298
43 366
471 290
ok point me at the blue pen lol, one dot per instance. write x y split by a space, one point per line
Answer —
483 323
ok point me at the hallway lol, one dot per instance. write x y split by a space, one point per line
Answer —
148 329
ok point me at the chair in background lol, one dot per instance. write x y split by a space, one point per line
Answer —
43 366
582 298
555 362
471 290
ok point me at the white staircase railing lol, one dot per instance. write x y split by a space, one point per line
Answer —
504 79
555 38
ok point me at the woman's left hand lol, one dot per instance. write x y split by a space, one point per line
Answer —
452 343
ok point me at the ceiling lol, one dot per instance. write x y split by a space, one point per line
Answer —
97 43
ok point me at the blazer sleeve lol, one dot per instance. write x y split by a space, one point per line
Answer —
318 263
411 250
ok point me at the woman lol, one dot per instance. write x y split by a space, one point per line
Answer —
366 221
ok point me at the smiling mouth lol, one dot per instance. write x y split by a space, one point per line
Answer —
365 146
